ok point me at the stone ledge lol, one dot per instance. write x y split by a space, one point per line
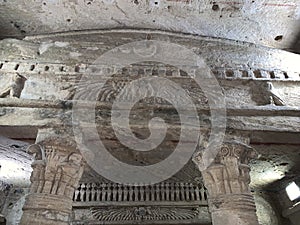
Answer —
268 110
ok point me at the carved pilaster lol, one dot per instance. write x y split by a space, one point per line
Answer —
227 180
57 170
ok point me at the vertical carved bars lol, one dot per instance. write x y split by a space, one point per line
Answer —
106 192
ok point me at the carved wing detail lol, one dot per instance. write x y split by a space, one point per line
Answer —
144 213
109 214
166 213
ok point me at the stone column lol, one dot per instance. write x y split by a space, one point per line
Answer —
57 169
227 180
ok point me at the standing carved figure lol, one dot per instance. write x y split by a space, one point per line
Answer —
15 87
72 170
52 172
38 174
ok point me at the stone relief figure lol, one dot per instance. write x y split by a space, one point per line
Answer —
15 87
72 170
37 176
51 171
57 180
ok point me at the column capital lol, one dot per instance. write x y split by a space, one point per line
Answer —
229 171
235 149
56 163
57 169
227 180
230 150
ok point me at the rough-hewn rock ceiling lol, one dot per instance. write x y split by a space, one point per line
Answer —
273 23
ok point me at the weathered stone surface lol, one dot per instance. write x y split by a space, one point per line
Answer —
272 23
220 54
13 206
266 213
15 163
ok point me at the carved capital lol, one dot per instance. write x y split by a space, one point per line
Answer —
227 180
57 169
229 171
235 150
230 151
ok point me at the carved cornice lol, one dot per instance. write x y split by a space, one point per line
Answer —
75 70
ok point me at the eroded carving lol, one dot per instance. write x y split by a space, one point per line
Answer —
227 180
54 173
275 98
229 172
4 191
266 94
57 169
37 177
15 87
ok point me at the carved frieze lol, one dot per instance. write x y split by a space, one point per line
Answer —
76 69
110 203
144 213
